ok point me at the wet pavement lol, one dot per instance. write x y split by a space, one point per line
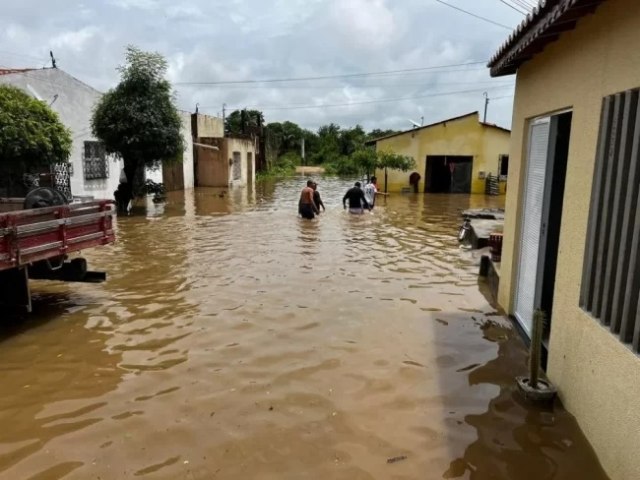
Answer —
234 340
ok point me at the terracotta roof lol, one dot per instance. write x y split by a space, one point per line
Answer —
9 71
371 142
541 27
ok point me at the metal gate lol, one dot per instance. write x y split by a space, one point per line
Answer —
61 173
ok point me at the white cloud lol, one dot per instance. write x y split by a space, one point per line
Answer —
74 40
367 23
130 4
278 39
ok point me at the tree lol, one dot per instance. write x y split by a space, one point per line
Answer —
31 135
387 159
243 121
138 119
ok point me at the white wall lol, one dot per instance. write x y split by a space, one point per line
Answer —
74 104
187 157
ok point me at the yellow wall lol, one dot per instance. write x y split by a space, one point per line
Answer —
598 377
464 136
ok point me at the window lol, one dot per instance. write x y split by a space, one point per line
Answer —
95 161
611 270
503 166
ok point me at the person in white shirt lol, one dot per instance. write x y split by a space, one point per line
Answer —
371 191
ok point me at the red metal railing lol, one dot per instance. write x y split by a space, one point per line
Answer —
28 236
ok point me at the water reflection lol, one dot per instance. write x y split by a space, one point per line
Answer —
236 340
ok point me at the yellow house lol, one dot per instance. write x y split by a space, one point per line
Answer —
452 156
572 228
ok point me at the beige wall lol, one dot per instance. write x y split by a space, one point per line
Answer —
598 377
464 136
208 126
244 147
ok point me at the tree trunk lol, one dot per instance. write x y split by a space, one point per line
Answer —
124 194
385 179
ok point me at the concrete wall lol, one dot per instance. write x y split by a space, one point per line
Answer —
244 147
74 104
597 376
208 126
212 165
462 136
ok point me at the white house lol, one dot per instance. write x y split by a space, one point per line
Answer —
91 172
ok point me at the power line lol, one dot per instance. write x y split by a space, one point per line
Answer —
504 96
382 100
521 3
360 86
513 7
326 77
474 15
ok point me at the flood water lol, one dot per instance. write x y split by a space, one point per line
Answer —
234 340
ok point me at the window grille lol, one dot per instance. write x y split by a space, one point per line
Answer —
611 272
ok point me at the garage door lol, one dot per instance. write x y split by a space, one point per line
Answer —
531 220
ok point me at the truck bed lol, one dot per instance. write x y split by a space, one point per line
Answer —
28 236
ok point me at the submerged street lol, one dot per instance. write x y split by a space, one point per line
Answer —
233 340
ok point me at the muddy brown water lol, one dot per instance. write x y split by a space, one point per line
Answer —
234 340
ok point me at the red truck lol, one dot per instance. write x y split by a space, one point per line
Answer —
35 243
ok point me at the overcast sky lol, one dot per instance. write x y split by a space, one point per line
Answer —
237 40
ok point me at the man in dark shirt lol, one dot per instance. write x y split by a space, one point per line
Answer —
357 202
316 198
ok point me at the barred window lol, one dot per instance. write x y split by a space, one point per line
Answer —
95 161
611 271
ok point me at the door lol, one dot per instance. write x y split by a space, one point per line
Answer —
541 219
531 222
237 166
448 174
249 167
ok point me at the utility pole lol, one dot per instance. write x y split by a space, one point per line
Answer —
302 151
486 105
224 113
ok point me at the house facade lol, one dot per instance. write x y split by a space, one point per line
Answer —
90 172
452 156
572 227
222 161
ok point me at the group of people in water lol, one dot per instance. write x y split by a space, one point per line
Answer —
359 199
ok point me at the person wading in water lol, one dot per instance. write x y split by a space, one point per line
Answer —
316 198
306 207
371 191
357 202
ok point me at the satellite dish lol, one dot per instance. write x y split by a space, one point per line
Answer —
415 124
44 197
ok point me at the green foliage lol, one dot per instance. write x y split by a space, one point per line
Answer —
138 119
341 151
151 188
243 121
31 134
377 133
365 160
394 161
341 166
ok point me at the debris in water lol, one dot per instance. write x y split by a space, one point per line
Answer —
399 458
271 408
443 322
411 362
470 367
